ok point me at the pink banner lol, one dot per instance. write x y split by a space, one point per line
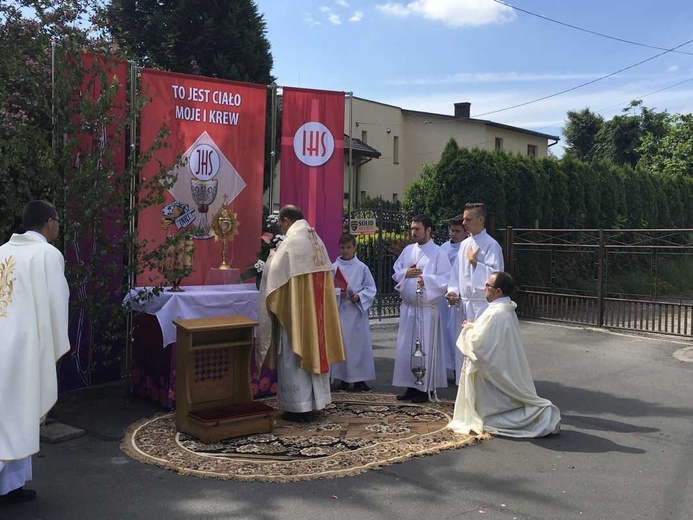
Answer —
312 159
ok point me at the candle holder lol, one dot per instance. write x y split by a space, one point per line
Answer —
178 261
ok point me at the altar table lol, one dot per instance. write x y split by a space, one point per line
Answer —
154 334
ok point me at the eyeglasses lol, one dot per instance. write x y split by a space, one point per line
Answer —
56 219
489 286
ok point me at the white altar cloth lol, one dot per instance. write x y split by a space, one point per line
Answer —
198 301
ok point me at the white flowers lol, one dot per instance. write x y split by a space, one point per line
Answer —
259 266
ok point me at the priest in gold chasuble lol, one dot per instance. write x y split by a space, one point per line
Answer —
33 327
299 330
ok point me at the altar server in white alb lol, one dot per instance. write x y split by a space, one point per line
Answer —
479 256
451 315
425 265
354 301
496 393
33 327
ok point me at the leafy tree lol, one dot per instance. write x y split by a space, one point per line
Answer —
581 132
527 181
575 171
612 207
619 139
418 193
505 164
670 152
558 194
635 217
208 37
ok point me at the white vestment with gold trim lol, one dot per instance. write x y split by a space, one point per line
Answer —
496 392
34 330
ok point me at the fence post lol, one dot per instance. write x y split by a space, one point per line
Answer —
379 258
601 250
509 253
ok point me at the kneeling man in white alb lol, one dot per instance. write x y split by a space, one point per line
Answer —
496 393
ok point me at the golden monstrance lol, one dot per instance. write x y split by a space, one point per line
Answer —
224 227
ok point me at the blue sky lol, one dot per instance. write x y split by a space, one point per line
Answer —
428 54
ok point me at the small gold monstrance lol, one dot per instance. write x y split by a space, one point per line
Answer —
224 227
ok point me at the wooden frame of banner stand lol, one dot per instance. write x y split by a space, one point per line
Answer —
213 396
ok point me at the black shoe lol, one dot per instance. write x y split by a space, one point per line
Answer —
362 387
343 387
408 395
299 417
421 398
18 495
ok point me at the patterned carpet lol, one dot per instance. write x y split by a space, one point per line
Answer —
356 433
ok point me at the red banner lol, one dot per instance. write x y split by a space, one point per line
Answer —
312 159
98 153
217 130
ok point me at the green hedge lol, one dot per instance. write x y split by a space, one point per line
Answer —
524 193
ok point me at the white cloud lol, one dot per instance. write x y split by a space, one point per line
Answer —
342 3
356 17
456 13
310 20
673 68
325 9
334 19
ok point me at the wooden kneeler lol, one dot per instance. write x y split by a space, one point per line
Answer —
213 396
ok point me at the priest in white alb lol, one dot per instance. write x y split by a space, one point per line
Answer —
496 394
33 326
421 272
299 330
478 257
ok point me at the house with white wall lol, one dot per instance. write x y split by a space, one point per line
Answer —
408 139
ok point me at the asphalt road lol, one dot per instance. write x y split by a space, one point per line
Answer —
625 452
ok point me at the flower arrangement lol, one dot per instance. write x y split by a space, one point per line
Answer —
270 239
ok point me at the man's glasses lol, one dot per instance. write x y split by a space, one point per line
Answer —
489 286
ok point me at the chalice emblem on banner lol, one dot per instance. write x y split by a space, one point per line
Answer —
203 173
204 166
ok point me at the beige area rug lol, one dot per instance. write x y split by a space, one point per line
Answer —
354 434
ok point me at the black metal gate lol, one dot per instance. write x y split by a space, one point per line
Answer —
379 252
633 279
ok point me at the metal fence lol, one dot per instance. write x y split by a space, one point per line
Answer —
632 279
380 251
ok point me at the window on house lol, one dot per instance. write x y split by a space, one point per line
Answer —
499 143
395 150
363 195
532 150
364 136
395 198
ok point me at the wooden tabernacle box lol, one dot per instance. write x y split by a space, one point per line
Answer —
213 396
